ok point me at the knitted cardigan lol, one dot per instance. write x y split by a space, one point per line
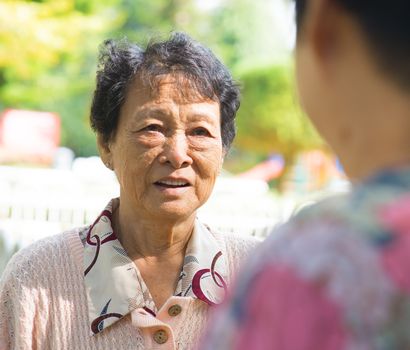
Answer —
43 304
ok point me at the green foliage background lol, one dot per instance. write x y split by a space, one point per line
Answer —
270 119
49 49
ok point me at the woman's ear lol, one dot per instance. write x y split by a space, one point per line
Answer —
105 151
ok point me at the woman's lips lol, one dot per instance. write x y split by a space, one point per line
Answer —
172 183
172 187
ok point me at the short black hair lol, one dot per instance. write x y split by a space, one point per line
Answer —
386 26
121 62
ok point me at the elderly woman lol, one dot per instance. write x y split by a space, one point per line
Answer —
144 275
337 276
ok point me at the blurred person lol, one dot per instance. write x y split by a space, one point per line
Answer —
336 276
144 275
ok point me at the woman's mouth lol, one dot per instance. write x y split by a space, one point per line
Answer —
172 183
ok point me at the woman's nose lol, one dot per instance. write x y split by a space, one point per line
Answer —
176 151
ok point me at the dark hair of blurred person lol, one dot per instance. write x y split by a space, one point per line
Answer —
385 27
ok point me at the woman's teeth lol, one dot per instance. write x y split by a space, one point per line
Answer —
172 183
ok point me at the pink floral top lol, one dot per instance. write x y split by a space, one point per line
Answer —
115 288
336 277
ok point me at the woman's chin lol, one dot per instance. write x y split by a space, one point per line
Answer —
174 211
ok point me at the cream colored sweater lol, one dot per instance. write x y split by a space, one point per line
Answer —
43 304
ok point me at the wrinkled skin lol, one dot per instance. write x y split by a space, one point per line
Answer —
164 135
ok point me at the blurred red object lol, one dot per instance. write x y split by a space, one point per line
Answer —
29 136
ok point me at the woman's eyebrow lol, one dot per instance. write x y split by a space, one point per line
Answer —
165 113
199 116
153 111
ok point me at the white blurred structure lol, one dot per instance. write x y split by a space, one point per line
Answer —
241 206
35 202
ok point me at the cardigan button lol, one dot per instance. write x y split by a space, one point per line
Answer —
174 310
160 336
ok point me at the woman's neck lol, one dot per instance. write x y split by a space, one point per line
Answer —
151 237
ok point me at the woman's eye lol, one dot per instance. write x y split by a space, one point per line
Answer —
201 132
152 127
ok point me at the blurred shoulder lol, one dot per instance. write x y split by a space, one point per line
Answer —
336 206
333 238
348 252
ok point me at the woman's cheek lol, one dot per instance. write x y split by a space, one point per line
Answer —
212 162
150 141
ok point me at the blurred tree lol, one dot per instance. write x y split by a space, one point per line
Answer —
141 19
47 59
269 120
48 54
248 33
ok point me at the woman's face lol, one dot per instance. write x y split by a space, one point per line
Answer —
167 151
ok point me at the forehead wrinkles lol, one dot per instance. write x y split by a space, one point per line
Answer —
168 96
181 88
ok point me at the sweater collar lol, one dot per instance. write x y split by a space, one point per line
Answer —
114 286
